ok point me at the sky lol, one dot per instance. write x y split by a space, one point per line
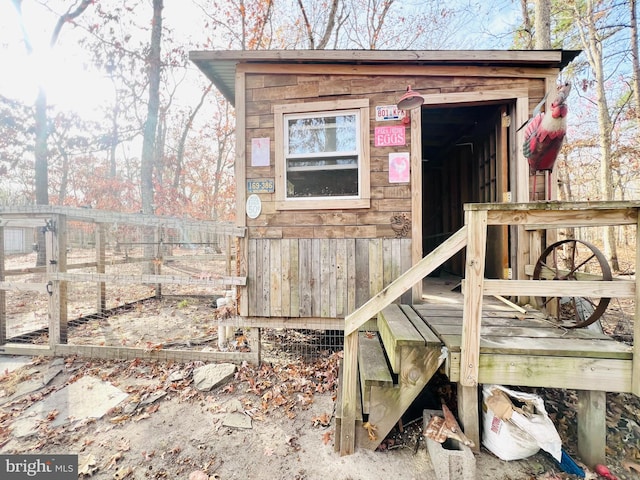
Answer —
72 85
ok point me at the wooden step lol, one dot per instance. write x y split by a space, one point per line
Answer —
396 332
373 366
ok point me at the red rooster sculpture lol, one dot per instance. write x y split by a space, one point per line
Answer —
544 135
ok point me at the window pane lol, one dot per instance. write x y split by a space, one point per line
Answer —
322 134
322 183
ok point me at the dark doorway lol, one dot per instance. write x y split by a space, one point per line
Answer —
464 160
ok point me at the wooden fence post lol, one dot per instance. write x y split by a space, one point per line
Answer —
635 377
56 254
3 296
101 300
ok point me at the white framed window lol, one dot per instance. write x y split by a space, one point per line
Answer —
322 155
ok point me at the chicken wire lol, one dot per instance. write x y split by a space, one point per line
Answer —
121 311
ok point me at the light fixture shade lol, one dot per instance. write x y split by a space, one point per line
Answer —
410 100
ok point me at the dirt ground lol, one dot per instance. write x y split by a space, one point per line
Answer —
166 428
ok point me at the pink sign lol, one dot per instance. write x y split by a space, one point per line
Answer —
399 163
389 136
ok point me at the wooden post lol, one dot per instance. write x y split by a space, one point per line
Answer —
469 414
101 296
635 377
416 196
3 296
592 426
56 254
349 394
157 261
476 221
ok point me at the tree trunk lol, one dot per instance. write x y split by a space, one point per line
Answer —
150 126
542 30
177 176
635 62
593 49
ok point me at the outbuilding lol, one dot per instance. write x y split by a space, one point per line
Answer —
341 191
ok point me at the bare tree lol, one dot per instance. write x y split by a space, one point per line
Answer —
542 32
41 121
592 39
147 158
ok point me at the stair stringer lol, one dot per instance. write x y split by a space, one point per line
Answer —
388 404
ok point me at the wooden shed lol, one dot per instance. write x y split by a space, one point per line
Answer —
341 192
350 203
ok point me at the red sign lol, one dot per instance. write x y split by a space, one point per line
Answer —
389 136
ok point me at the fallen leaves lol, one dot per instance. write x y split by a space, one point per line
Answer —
323 420
87 465
628 466
371 431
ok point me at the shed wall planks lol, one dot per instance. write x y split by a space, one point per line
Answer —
321 277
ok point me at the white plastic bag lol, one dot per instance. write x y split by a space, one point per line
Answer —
514 433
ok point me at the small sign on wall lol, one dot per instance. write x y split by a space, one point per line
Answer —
399 167
386 113
260 151
389 136
266 185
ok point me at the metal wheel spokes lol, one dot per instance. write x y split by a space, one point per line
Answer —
573 260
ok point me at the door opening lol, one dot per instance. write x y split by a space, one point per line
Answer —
464 160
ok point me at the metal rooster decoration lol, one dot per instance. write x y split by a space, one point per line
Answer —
544 135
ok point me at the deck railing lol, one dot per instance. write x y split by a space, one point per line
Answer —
527 220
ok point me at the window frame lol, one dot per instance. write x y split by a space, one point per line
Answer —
363 200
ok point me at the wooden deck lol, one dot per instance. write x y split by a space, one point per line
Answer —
526 349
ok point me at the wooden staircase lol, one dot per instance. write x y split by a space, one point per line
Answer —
394 365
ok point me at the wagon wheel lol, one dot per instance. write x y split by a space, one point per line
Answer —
573 260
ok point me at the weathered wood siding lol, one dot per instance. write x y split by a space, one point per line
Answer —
320 277
327 262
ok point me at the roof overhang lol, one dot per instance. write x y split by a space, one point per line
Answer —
220 65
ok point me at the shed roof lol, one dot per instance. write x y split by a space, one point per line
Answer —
220 65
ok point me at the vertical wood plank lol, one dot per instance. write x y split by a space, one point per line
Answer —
341 277
387 261
295 278
259 299
592 426
362 271
265 290
315 278
275 277
635 379
285 244
240 164
157 263
472 310
304 286
227 255
252 278
520 164
56 245
350 245
416 195
349 394
242 268
3 294
375 266
101 296
406 264
469 414
325 278
333 278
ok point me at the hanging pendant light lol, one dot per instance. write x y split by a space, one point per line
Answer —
410 100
